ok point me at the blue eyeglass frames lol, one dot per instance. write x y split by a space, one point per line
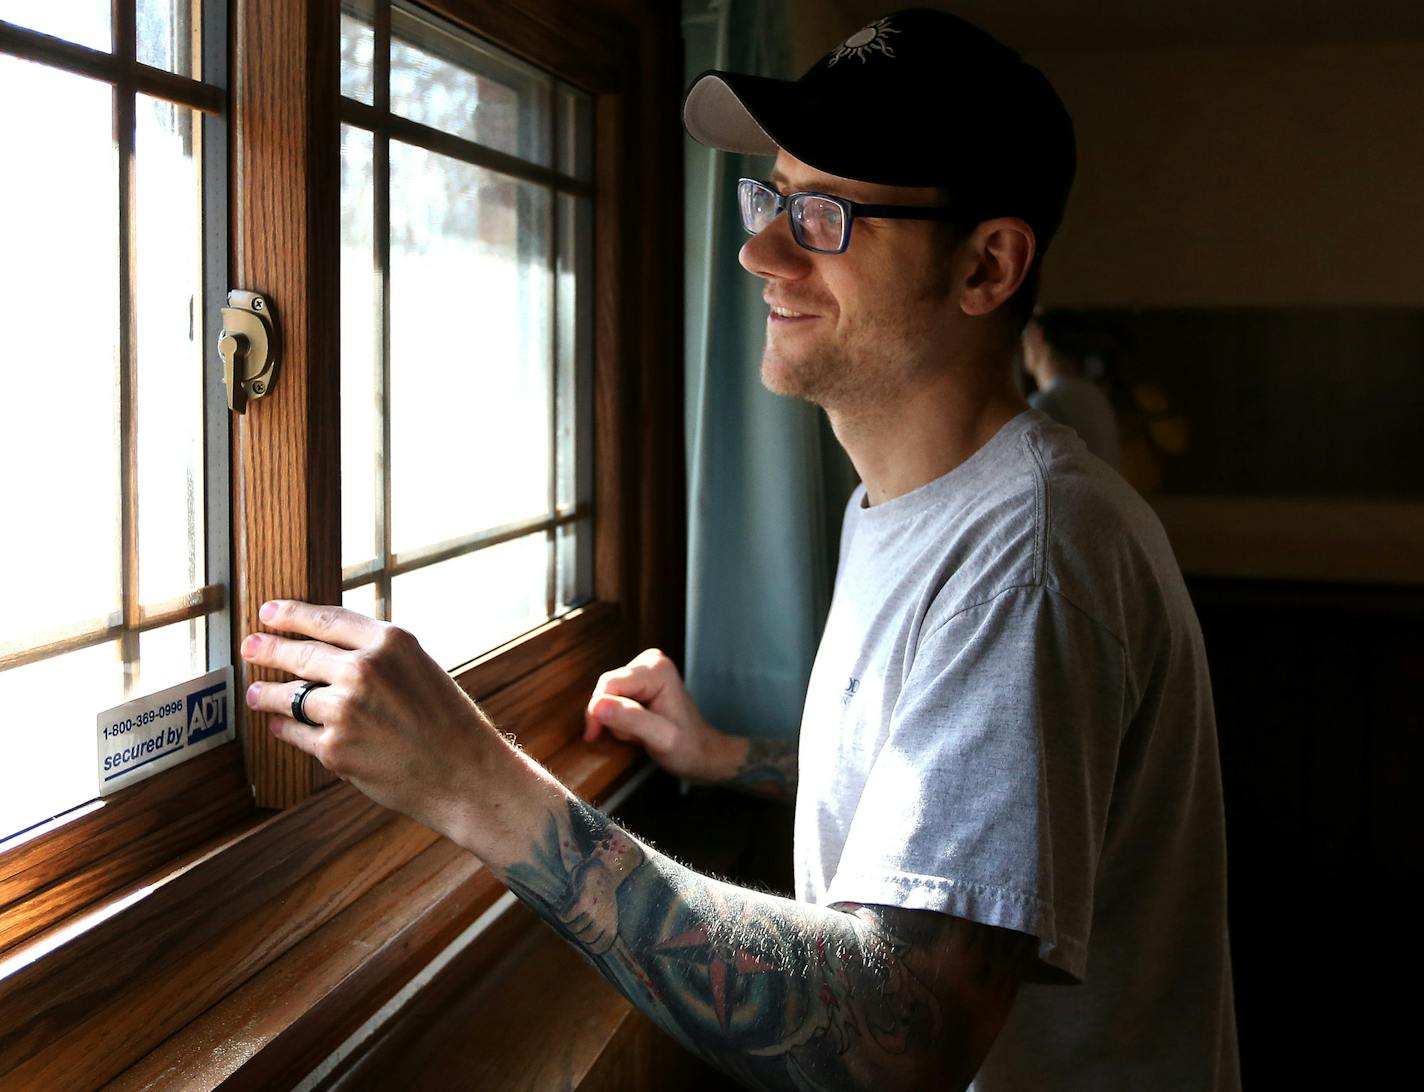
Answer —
820 222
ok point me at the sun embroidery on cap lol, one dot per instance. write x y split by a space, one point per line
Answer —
864 40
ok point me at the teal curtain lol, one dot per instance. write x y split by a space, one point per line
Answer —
765 487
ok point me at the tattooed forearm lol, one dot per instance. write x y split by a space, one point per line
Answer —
778 994
769 769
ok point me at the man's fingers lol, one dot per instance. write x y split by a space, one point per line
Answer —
334 625
626 719
642 682
298 735
269 697
313 660
592 726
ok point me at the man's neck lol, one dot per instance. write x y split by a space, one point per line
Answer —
926 430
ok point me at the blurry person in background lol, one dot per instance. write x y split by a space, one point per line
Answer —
1064 392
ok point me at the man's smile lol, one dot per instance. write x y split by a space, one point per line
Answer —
780 313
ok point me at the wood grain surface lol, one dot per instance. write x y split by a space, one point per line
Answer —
286 1018
285 233
59 871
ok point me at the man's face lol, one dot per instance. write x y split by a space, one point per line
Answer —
863 323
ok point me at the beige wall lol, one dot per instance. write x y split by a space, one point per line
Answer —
1229 176
1272 176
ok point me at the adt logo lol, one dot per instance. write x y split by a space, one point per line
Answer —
207 713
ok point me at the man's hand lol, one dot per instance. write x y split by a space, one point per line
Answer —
647 702
392 722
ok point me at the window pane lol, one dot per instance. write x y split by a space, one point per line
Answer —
442 79
360 323
362 600
470 348
48 732
168 360
575 344
358 52
84 21
467 606
59 415
167 34
574 580
169 656
575 130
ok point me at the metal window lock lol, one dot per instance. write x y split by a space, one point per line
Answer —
248 346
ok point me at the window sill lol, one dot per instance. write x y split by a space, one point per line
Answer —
536 1015
279 1024
252 958
520 1008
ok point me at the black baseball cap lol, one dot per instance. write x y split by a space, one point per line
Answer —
917 98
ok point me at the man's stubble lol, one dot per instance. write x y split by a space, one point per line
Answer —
869 362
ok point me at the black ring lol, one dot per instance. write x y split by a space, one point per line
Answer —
299 702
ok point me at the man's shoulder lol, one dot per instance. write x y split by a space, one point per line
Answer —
1053 515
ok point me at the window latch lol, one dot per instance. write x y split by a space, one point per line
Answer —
248 346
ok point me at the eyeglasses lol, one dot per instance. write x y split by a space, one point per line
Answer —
820 221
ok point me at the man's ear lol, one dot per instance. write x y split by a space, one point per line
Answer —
1000 253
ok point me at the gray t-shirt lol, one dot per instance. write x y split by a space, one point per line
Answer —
1010 720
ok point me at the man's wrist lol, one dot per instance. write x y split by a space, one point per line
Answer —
723 756
488 785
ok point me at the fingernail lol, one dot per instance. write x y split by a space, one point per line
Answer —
267 612
252 692
249 645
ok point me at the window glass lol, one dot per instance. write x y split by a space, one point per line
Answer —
575 135
360 359
470 348
358 52
60 271
165 34
451 82
467 344
168 300
465 606
362 600
87 22
48 735
112 464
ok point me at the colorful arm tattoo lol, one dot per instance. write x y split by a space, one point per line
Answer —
769 769
777 994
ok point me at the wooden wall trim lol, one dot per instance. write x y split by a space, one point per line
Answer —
285 231
612 450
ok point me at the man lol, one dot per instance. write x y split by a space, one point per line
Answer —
1009 832
1064 393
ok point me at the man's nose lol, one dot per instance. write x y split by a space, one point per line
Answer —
772 252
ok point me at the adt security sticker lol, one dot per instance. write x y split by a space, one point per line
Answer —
146 735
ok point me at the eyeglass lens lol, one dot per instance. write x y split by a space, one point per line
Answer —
816 223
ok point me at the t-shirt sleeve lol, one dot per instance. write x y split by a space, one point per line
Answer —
989 798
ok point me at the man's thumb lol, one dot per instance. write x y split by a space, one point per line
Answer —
626 719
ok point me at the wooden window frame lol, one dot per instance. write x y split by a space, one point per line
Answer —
50 871
293 916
